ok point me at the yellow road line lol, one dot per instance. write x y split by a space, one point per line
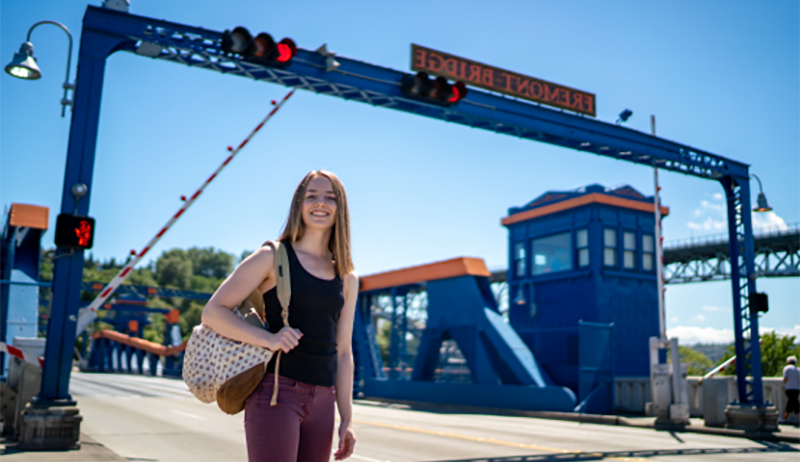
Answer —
496 441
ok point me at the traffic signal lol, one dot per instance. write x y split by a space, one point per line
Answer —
439 89
262 48
74 231
758 302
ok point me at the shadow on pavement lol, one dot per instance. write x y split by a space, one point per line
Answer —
767 447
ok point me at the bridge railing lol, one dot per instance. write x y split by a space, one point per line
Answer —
113 351
722 238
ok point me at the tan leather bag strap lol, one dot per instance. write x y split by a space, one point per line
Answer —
284 289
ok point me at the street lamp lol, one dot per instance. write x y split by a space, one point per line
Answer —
24 65
762 205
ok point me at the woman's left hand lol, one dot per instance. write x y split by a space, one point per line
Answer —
347 441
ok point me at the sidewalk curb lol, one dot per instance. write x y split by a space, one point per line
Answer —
583 418
89 449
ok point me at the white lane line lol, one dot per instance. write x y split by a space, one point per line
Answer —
188 415
369 459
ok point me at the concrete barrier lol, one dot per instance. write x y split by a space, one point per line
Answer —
631 394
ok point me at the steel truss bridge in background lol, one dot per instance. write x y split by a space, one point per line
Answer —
706 258
106 32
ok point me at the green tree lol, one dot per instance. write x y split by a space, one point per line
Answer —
209 262
698 363
775 348
174 269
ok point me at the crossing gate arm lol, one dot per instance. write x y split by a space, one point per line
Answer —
380 86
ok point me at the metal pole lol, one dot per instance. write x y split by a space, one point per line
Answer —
662 325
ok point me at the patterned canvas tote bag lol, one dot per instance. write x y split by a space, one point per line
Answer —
216 368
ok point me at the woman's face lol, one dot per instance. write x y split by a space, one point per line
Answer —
319 204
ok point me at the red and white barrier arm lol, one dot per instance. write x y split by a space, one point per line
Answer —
728 362
719 369
89 313
21 354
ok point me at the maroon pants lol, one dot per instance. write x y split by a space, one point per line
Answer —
298 428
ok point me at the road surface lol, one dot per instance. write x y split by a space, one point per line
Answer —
156 419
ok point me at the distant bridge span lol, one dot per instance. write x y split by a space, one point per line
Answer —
706 258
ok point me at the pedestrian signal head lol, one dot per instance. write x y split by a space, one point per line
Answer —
74 231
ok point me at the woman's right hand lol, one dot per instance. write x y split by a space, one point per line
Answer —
285 340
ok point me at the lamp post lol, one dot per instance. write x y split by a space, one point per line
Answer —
762 205
24 65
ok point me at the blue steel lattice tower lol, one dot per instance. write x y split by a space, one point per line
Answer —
584 255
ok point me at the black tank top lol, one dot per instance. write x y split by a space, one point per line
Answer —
314 309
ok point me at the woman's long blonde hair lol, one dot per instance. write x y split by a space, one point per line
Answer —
339 244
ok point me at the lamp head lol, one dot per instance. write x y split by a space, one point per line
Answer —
520 298
24 66
624 115
762 206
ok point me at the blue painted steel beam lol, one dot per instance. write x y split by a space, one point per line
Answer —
380 86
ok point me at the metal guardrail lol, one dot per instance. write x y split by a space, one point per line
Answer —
722 238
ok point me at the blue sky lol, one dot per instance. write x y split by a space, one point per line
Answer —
719 75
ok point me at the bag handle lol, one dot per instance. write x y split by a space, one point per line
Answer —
284 289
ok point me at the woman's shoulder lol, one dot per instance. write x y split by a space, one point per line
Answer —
350 282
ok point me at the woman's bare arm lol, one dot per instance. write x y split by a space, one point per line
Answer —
344 368
218 312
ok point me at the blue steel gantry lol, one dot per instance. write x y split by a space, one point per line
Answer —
106 31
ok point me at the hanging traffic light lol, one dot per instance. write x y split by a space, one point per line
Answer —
73 231
262 48
439 90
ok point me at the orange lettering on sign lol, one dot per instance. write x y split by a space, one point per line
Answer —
451 67
463 66
475 73
522 85
420 56
577 101
434 62
588 103
536 89
487 76
563 96
551 95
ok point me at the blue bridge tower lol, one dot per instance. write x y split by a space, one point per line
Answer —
584 258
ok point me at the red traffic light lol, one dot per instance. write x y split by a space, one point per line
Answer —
262 48
440 90
74 231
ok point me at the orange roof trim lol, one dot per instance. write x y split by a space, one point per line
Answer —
462 266
29 216
593 198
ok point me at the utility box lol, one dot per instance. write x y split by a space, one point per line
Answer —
22 384
715 400
584 255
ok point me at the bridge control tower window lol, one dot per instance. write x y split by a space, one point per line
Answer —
629 250
648 251
582 244
519 260
610 247
552 254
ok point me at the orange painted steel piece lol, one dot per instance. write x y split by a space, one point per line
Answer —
593 198
133 325
173 316
455 267
141 344
31 216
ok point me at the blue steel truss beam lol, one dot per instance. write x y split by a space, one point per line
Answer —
106 31
380 86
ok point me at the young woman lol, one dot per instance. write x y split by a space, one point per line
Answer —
316 367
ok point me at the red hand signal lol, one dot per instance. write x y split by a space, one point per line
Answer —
84 233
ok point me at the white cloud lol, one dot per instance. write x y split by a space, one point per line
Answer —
710 224
689 335
699 317
782 330
766 221
674 319
711 308
712 217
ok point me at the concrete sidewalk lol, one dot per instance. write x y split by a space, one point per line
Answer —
90 451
